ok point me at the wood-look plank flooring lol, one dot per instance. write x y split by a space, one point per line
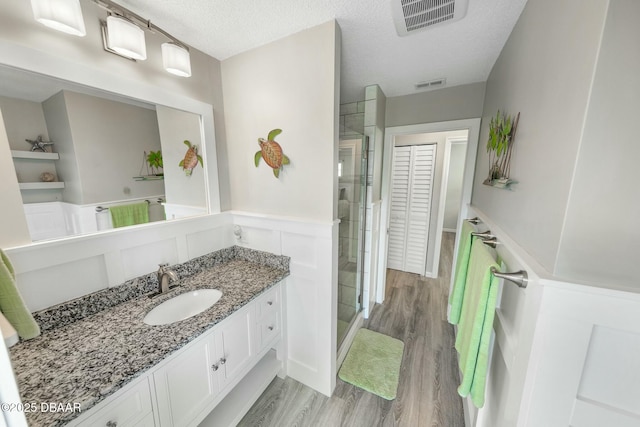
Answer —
414 311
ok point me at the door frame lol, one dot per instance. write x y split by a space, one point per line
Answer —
473 127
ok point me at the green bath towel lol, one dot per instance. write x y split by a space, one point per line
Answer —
11 303
462 264
122 216
476 322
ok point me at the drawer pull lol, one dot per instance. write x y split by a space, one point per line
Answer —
270 328
111 424
214 367
223 360
269 302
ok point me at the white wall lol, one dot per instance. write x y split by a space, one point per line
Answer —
13 227
536 76
288 84
601 239
300 96
454 103
454 185
175 127
109 140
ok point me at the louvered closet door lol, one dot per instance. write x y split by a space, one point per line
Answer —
411 189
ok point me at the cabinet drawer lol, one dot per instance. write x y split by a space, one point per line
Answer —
269 327
269 302
132 408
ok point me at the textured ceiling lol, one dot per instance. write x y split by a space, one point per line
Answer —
462 52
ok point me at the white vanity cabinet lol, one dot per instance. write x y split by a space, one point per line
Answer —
237 354
187 383
187 386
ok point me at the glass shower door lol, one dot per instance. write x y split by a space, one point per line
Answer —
352 193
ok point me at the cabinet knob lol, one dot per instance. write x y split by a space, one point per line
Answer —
111 424
214 367
270 328
223 360
269 302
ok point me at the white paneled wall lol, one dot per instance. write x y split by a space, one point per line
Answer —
49 273
562 353
311 290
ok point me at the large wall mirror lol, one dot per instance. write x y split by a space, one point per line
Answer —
96 174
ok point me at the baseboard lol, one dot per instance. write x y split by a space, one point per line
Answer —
348 339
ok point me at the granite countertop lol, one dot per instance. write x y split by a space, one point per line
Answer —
87 360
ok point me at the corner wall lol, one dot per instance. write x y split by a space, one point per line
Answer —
601 239
291 84
544 72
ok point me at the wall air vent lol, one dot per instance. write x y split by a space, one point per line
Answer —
431 84
411 16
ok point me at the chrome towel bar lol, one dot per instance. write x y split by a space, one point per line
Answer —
158 201
483 234
475 220
520 278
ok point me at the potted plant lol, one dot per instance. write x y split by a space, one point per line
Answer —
154 160
502 130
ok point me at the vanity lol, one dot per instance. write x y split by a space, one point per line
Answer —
97 363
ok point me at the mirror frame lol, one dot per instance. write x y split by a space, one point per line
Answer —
28 59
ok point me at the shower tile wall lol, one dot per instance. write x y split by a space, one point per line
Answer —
352 119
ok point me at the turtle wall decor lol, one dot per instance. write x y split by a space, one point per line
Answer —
271 152
191 159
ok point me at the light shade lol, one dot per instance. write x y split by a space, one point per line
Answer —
126 38
176 59
61 15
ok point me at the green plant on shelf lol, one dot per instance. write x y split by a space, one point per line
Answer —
154 160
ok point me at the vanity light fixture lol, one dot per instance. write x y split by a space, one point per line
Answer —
123 32
61 15
176 59
125 38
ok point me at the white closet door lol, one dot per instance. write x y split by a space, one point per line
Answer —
411 189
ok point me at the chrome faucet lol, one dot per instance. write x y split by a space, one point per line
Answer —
165 275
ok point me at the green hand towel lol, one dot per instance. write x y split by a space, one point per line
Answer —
125 215
12 304
462 264
476 322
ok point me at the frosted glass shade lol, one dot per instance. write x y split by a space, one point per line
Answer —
126 38
176 59
61 15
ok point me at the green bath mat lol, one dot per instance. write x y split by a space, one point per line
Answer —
373 363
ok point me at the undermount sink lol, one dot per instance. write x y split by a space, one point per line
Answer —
182 306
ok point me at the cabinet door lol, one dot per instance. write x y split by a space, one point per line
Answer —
131 407
236 344
185 385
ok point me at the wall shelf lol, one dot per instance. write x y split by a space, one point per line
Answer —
36 155
41 185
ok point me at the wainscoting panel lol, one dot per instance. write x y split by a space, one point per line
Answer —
49 273
311 290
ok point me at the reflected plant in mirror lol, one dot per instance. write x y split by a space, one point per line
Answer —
99 138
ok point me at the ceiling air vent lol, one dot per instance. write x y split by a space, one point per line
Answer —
414 15
431 84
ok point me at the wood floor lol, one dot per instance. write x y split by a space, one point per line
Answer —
414 311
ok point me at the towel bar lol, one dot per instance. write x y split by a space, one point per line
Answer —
491 241
158 201
483 234
520 278
475 220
